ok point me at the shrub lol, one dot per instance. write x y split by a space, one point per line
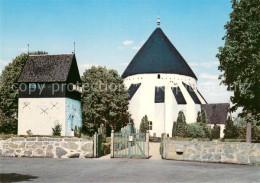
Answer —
204 118
180 125
206 129
215 132
199 118
231 131
194 130
174 129
105 148
56 131
144 126
77 131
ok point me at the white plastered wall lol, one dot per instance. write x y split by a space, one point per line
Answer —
40 115
161 114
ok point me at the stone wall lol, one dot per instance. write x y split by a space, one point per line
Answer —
47 147
225 152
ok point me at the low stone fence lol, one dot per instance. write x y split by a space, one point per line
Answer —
47 147
224 152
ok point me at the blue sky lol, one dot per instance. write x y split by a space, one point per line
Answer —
109 33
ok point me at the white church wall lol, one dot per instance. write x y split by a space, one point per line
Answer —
142 103
40 115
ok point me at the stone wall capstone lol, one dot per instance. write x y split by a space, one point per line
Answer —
46 147
225 152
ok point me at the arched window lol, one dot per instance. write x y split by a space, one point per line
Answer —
158 76
150 125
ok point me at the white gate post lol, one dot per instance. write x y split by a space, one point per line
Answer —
147 144
112 144
95 145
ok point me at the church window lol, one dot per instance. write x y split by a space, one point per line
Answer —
192 93
178 95
150 125
159 94
132 90
158 76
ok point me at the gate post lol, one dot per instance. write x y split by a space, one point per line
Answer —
112 144
163 145
147 144
95 145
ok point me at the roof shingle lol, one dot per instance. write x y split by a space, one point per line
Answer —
216 113
46 68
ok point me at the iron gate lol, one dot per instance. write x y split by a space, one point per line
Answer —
130 145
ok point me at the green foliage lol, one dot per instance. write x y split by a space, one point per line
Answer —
102 130
144 125
77 131
204 118
180 125
194 130
215 132
199 117
105 148
8 125
9 93
240 56
230 130
56 131
104 100
174 129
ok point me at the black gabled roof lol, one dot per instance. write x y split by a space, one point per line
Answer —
216 113
158 55
49 68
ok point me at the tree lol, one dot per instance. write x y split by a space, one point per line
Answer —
144 125
174 129
240 59
230 130
199 117
9 92
181 125
216 131
104 100
202 119
194 130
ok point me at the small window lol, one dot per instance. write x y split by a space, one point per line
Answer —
158 76
150 125
159 94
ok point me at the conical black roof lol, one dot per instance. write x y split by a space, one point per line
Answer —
158 55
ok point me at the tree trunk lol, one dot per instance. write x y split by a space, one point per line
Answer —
248 132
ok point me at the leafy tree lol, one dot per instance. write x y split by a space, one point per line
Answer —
230 130
104 100
240 58
181 125
9 92
144 125
216 131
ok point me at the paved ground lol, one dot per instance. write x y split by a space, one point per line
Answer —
122 170
154 150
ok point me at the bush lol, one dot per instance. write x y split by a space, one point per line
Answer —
144 126
174 129
56 131
180 125
194 130
206 129
231 131
105 148
77 131
215 132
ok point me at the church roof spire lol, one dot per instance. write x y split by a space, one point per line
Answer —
158 22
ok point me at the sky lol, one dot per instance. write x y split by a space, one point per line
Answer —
110 32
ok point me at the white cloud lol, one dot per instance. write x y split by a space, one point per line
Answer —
136 47
128 42
3 62
83 67
204 64
124 63
193 64
208 76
